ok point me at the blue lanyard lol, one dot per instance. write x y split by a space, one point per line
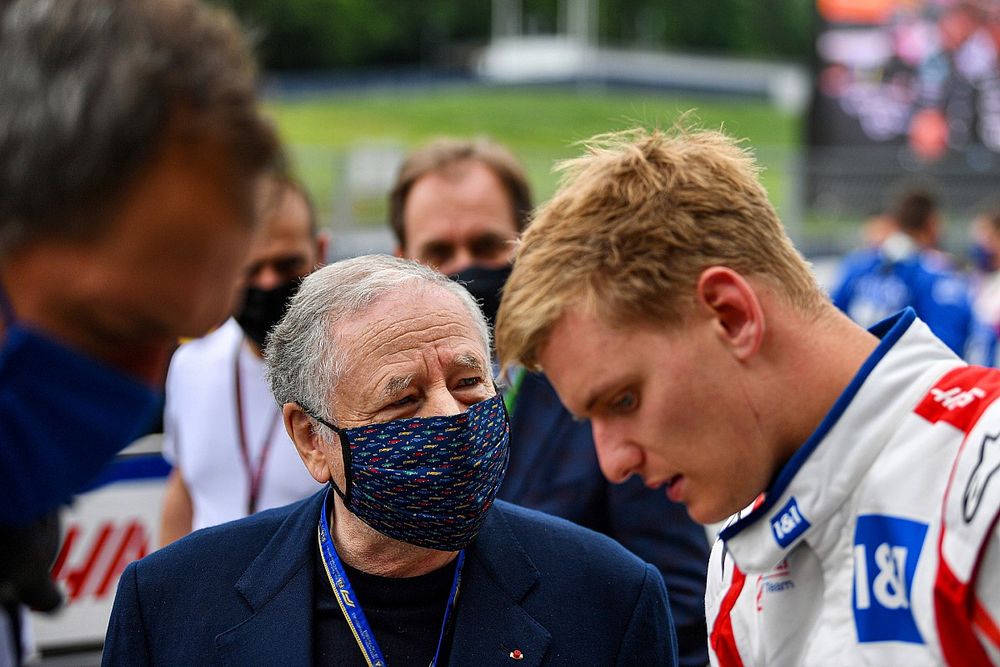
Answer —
353 612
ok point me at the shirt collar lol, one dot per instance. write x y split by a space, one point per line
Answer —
827 468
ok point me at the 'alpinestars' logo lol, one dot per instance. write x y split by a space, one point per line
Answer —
986 466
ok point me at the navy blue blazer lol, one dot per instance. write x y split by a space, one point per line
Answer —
242 594
553 468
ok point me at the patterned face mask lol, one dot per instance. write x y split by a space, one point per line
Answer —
427 481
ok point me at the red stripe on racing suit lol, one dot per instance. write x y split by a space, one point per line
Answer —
960 398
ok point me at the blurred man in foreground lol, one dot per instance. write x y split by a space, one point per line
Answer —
129 145
458 206
664 300
222 429
382 368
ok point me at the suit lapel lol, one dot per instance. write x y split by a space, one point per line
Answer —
536 414
490 624
278 588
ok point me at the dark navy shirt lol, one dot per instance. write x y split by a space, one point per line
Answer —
404 613
553 468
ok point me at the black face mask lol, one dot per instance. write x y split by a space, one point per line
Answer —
262 309
485 284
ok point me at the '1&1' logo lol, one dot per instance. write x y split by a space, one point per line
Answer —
788 524
886 551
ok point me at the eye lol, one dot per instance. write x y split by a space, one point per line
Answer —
404 401
624 402
253 271
436 254
489 246
290 267
465 383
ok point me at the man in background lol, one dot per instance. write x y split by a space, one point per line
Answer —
223 431
130 141
907 268
985 256
458 206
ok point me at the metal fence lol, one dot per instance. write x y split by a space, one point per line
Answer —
822 197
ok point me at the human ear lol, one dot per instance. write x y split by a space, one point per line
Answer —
310 446
322 246
732 302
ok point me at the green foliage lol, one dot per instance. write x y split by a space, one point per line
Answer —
748 27
312 34
318 34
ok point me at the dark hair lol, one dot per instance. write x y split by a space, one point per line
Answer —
915 210
992 217
443 152
285 183
87 89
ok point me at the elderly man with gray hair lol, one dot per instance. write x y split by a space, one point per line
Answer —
381 367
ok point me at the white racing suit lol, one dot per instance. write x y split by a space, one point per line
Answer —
877 543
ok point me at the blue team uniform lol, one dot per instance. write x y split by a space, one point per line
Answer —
878 282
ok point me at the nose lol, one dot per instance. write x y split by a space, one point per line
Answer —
460 261
439 402
267 278
617 458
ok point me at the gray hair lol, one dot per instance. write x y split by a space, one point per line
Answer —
87 88
304 362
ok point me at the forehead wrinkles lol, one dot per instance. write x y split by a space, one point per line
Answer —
382 339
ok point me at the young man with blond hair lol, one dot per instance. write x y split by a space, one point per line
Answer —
458 205
661 295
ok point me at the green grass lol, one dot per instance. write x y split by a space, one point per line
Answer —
526 119
541 125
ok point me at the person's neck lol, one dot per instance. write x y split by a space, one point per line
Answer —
823 356
253 347
365 549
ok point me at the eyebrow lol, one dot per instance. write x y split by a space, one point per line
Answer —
466 360
395 386
398 384
594 397
436 247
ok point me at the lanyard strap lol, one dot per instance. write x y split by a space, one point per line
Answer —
510 396
351 607
255 473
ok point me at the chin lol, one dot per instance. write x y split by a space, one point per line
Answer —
709 515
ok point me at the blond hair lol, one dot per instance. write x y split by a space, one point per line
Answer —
635 222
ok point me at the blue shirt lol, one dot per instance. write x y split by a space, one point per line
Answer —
874 284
